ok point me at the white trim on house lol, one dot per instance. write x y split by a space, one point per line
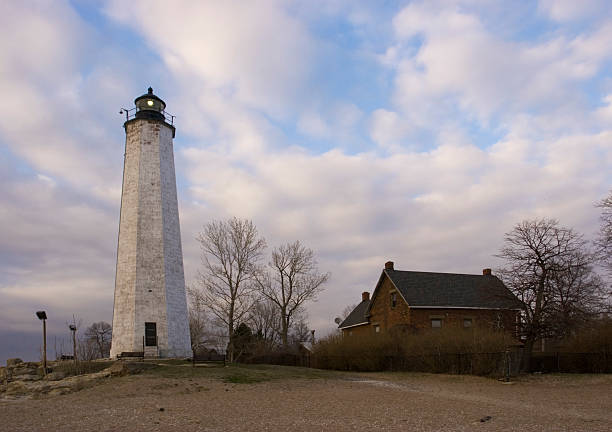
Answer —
354 325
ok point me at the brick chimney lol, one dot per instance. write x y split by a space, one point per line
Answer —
389 265
365 296
486 272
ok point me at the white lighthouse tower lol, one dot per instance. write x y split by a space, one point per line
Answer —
150 310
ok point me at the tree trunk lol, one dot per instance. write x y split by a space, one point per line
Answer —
284 328
534 327
230 328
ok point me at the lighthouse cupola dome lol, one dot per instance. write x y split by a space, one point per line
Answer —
150 106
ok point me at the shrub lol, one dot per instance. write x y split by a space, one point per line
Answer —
474 351
595 338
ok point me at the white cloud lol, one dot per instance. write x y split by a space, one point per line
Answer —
444 210
388 129
570 10
313 124
255 53
461 65
53 115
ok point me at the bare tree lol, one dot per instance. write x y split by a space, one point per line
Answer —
231 251
87 349
264 319
291 279
61 351
577 296
197 318
206 333
300 329
543 261
603 242
99 335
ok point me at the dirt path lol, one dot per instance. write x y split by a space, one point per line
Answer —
360 402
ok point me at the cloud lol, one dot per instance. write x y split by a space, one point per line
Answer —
434 139
568 10
54 115
313 124
442 210
461 67
60 167
57 252
255 53
388 129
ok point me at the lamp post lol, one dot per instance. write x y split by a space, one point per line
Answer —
73 329
42 315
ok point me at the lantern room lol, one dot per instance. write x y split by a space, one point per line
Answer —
150 106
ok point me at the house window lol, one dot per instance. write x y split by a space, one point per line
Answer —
499 322
393 299
436 322
376 329
467 322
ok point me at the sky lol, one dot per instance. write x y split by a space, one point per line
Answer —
418 132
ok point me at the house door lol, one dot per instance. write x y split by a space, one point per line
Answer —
150 334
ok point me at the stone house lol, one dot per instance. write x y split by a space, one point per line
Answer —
416 301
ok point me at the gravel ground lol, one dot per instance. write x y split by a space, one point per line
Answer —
342 402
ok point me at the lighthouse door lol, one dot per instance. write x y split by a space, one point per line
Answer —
150 334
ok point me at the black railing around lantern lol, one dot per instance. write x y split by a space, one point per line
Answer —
131 113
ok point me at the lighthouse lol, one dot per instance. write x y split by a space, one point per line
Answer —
150 305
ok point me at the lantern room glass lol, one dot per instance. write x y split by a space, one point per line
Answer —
150 104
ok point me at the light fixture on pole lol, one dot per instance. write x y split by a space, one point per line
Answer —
42 315
73 329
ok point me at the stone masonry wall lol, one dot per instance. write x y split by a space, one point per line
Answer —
485 318
125 276
179 342
415 319
383 314
150 278
149 284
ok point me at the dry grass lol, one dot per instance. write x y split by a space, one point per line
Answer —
240 373
82 367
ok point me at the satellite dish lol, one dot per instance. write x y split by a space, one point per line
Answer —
337 320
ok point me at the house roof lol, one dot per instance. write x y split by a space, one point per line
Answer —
451 290
357 316
307 345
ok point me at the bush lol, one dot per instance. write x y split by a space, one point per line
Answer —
588 350
595 338
474 351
